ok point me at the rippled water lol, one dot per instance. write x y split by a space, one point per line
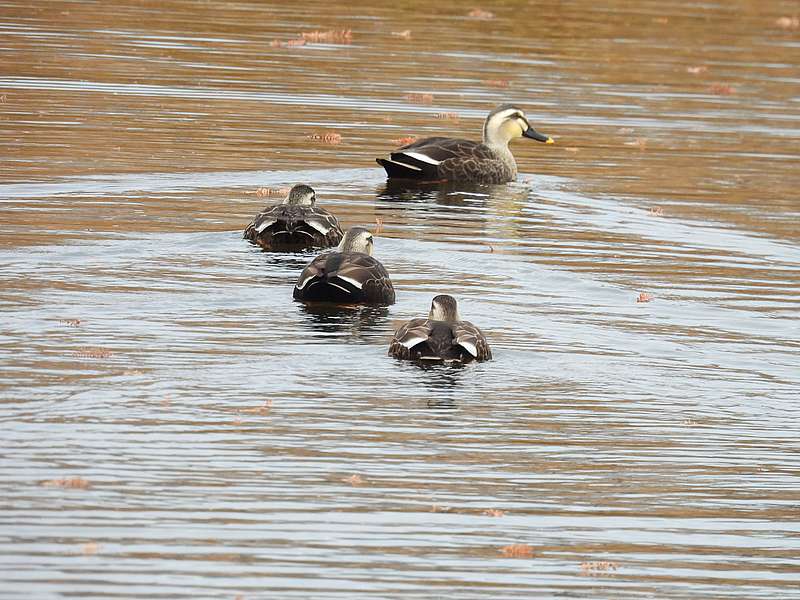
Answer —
222 441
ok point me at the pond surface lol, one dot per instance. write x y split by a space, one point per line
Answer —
176 427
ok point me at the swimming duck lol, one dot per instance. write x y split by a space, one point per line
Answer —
442 158
295 224
443 336
348 275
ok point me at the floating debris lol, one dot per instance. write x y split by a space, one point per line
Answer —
644 297
287 43
493 512
417 98
70 322
379 223
332 36
328 137
656 211
788 22
640 143
405 141
268 191
70 483
479 13
517 551
697 69
449 116
96 353
721 89
354 480
498 83
405 35
90 548
598 567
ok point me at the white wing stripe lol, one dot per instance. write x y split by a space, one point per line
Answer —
422 157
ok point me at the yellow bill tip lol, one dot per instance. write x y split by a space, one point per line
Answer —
550 140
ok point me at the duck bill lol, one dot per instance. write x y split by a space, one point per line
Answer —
530 132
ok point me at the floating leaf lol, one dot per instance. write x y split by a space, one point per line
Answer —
70 322
499 83
479 13
644 297
721 89
517 551
90 548
327 137
71 483
449 116
96 353
493 512
405 141
335 36
354 480
406 35
697 69
788 22
598 567
419 98
268 191
656 211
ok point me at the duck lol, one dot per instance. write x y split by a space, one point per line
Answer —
451 159
295 224
347 275
441 337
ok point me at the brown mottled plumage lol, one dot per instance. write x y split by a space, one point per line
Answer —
442 337
296 224
348 275
442 158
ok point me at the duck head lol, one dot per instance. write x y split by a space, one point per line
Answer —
356 239
301 194
444 308
507 122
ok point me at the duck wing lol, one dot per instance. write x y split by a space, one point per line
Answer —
409 335
422 159
345 276
471 339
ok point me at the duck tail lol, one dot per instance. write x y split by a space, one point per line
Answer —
399 170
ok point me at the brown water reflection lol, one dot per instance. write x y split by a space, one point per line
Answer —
218 425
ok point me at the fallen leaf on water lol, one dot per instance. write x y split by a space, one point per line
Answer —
287 43
644 297
436 508
517 551
449 116
406 35
71 483
70 322
640 143
788 22
336 36
328 137
500 83
93 353
90 548
268 191
598 567
405 141
696 70
479 13
419 98
354 480
493 512
721 89
656 211
379 223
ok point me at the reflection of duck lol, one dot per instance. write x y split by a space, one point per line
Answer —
357 322
348 275
443 336
442 158
296 224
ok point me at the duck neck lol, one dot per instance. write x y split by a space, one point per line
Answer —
501 149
